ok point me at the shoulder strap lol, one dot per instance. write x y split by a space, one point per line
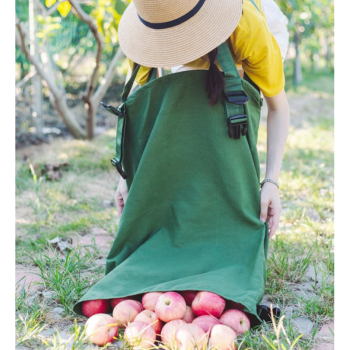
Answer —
235 97
254 3
130 83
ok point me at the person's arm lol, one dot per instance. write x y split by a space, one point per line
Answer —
277 131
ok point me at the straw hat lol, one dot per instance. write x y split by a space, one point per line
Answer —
165 33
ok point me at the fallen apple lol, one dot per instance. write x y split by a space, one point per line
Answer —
151 318
236 319
126 311
190 336
223 338
208 303
150 299
189 295
170 306
168 332
206 322
140 334
93 307
101 329
189 315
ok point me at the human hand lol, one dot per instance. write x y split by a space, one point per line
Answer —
270 206
121 195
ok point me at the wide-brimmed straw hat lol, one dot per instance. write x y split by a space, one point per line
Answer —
165 33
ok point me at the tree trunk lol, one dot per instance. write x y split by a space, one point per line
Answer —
298 77
37 108
68 117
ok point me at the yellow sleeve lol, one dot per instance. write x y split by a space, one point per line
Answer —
142 75
257 49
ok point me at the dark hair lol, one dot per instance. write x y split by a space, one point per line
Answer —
215 83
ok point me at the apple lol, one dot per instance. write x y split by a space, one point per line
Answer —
151 318
93 307
189 295
223 338
149 300
190 336
206 322
140 334
126 311
115 301
236 319
101 329
233 305
208 303
170 306
168 332
189 315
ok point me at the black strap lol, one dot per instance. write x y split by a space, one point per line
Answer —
130 83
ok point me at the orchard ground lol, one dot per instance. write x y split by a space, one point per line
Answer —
64 230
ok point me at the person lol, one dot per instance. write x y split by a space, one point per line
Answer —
193 216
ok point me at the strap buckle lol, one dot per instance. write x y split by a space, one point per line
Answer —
113 110
237 125
117 165
237 97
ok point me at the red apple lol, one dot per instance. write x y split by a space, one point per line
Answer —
126 311
101 329
170 306
236 319
189 295
206 322
140 334
208 303
149 300
93 307
151 318
168 332
190 336
233 305
115 301
223 338
189 315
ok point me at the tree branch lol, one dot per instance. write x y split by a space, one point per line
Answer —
44 11
107 79
59 95
100 43
21 42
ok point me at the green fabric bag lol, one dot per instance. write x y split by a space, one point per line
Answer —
191 221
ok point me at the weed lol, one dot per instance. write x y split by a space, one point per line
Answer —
68 275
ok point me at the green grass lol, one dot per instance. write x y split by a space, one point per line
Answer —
76 204
68 275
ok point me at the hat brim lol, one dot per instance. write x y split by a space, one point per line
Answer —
207 29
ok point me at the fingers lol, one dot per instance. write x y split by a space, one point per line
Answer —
263 209
274 219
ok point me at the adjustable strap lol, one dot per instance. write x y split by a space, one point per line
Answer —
235 97
121 124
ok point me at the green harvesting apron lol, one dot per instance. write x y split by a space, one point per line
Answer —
191 220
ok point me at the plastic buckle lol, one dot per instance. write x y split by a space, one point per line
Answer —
117 164
113 110
237 125
237 97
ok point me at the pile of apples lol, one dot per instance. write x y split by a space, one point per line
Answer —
184 320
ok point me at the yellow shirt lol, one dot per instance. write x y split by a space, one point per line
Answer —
253 48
